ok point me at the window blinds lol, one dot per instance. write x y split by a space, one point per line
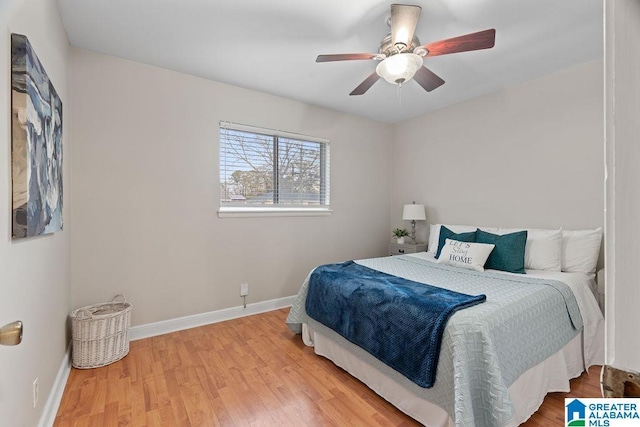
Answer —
262 167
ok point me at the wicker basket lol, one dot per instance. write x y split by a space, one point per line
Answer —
100 333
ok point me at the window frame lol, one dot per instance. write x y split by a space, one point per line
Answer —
276 209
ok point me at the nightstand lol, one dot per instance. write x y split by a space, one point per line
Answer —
406 248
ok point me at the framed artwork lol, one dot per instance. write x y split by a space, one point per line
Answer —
36 145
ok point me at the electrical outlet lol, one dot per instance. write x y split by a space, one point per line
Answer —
244 289
35 392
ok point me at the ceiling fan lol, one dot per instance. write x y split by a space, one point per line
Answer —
401 52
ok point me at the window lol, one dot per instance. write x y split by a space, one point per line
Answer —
263 172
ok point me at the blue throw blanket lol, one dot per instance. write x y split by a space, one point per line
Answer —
398 321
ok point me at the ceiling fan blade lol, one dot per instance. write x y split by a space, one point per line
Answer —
404 19
346 57
475 41
427 79
366 84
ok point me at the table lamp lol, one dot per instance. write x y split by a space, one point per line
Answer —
413 213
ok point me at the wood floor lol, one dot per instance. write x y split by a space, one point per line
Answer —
246 372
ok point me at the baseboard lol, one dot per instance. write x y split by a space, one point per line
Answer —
150 330
187 322
55 396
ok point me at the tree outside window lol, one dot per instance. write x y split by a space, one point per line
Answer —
260 169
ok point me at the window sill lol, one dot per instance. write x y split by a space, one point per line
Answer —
240 212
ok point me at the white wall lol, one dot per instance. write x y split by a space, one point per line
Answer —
34 272
530 155
622 37
146 192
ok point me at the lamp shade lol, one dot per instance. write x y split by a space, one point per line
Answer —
399 68
413 212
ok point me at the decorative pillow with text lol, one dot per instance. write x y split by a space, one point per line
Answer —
445 233
468 255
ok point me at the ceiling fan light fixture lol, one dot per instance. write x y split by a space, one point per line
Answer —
420 51
399 68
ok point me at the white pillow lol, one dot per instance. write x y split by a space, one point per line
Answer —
434 233
543 250
472 256
580 250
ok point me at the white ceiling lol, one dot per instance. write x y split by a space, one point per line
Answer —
271 45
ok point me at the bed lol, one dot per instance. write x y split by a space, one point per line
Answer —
501 379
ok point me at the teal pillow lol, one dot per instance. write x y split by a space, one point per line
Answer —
508 255
445 234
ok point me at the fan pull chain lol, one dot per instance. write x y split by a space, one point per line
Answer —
399 93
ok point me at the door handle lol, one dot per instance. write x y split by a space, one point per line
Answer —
11 333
